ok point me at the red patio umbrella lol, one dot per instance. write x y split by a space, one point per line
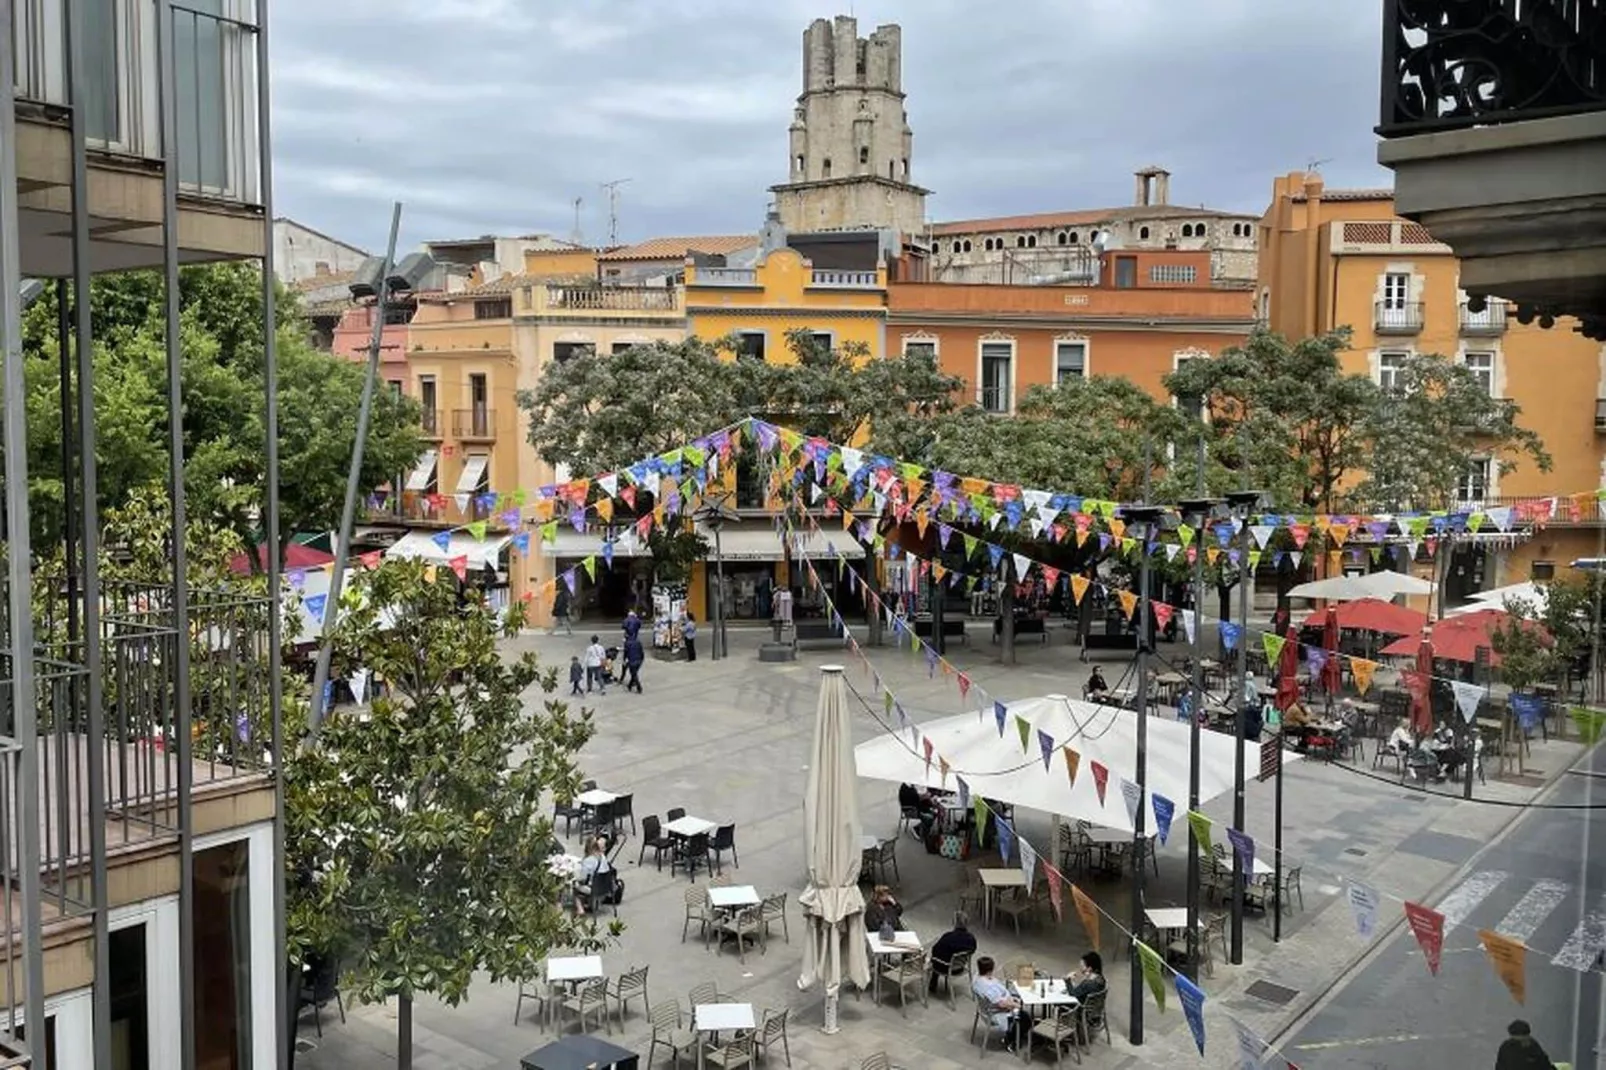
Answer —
1288 672
1332 680
1459 638
296 555
1372 615
1420 685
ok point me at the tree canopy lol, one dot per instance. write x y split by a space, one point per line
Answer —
222 389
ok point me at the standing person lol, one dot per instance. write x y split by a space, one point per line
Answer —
632 626
560 610
577 675
595 656
634 655
688 635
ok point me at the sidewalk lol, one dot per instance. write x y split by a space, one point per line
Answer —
728 740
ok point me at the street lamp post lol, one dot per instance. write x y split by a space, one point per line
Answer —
1197 510
713 516
1142 521
1241 501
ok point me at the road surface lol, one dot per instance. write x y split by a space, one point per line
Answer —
1544 883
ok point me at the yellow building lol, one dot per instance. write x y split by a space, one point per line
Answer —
1332 258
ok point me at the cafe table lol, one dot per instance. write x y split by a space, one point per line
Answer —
688 827
903 942
595 797
993 879
719 1018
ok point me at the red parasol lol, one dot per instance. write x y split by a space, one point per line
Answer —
1372 615
1288 672
1332 680
1420 684
296 555
1459 638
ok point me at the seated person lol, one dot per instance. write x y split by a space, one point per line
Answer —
1004 1012
1298 715
882 910
595 862
912 799
955 941
1089 980
1401 740
1095 689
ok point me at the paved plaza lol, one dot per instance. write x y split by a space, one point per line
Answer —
729 740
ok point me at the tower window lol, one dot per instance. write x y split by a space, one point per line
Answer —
967 245
1031 241
1059 239
825 167
892 169
1020 241
906 168
1187 230
800 165
1073 237
1143 232
864 154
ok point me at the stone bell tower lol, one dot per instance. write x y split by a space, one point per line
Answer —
851 146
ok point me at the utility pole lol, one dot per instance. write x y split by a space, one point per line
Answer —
1144 519
1241 501
613 208
1198 512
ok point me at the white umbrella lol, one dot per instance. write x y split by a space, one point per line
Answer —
995 766
1388 583
833 908
1333 589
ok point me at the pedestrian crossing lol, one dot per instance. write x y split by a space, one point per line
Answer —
1536 918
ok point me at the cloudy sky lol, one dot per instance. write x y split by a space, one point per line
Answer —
492 116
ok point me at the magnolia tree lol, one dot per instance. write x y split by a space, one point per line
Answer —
417 841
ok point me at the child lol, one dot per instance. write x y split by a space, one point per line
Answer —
577 675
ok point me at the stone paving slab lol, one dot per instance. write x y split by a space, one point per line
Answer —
728 740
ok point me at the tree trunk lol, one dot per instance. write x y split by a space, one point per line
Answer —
1006 614
404 1033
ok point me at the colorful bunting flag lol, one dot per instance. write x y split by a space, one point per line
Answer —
1101 779
1509 959
1153 971
1363 904
1164 809
1072 761
1192 998
1200 824
1428 926
1089 912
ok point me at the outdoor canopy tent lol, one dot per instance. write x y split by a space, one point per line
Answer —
994 765
1384 584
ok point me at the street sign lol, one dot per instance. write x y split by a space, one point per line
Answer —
1271 757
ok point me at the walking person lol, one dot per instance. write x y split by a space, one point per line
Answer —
632 625
577 675
688 635
594 658
560 611
634 655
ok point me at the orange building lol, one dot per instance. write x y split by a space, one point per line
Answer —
1137 313
1334 258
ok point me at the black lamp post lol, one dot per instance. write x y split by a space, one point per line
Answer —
1142 520
713 515
1241 502
1195 511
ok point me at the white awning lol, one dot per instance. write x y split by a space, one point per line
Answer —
473 471
419 478
571 543
422 544
762 543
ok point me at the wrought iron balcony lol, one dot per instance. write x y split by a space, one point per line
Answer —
1489 320
433 424
474 423
994 398
1600 414
1393 317
1451 64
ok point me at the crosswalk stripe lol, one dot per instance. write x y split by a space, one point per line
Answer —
1585 944
1524 919
1468 894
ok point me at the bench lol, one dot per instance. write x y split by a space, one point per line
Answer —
1023 626
952 628
817 631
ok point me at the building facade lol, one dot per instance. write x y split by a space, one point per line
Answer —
1336 258
142 843
301 253
851 149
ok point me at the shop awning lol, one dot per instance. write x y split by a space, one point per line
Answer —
473 472
571 543
421 477
422 545
761 543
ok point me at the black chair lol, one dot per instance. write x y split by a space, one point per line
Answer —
625 806
599 820
724 840
568 813
601 892
653 836
675 815
321 984
688 853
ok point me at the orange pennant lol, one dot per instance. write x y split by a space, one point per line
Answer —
1509 958
1129 602
1089 912
1072 761
1079 585
1362 670
1117 526
1338 533
604 507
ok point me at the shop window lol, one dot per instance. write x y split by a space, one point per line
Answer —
1541 571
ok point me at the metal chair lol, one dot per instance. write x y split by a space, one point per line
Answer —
876 1061
741 925
905 970
772 910
566 811
1062 1026
886 854
984 1018
669 1030
653 836
591 997
632 984
322 985
908 817
1291 884
691 852
957 966
738 1051
772 1027
1019 903
696 910
546 996
1094 1018
724 840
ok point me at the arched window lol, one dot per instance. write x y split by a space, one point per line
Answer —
800 165
967 245
1059 239
892 171
906 168
1020 241
1031 241
1073 237
825 167
1143 233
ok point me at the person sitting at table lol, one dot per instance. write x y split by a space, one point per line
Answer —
1004 1011
1096 690
882 910
1298 716
595 862
911 798
1401 740
1089 980
956 941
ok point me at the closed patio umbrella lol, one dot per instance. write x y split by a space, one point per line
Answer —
833 908
1422 688
1332 678
1288 672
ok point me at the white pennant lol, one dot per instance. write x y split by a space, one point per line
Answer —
359 685
994 520
1023 564
1467 697
1499 517
814 492
462 502
1040 524
1172 550
1134 798
1187 624
1363 904
1250 1047
1028 861
1262 534
1037 501
1297 556
610 483
880 501
852 461
1412 546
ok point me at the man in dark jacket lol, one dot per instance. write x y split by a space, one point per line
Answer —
955 941
1520 1051
634 655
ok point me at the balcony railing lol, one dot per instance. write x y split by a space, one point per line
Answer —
718 276
1393 317
994 398
215 78
474 424
1600 414
613 299
1449 64
1490 321
826 279
432 423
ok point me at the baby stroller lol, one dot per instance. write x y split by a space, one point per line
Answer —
610 657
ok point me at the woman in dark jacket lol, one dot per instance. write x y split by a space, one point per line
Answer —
1520 1051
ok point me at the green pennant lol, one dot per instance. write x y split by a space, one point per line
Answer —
1184 535
1274 647
970 585
886 698
549 531
695 454
971 544
979 805
1153 971
1127 546
1589 722
590 564
1201 832
1377 554
1024 727
1474 522
672 457
1254 560
477 529
910 470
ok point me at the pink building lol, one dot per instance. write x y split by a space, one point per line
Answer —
354 332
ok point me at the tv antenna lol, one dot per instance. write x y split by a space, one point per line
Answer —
575 236
1316 165
613 208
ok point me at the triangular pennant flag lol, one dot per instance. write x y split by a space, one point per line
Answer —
1509 959
1023 565
1261 533
1230 634
1251 1049
1045 743
1101 779
1153 971
459 565
442 539
1274 647
1192 998
1162 613
589 562
1243 849
1072 761
477 529
1164 810
1079 585
315 606
1006 836
1055 890
1129 602
980 806
1089 912
1200 825
1002 716
1467 697
1028 863
1428 926
1132 795
1362 669
1188 624
1024 728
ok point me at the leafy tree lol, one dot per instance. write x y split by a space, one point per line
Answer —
1426 431
221 339
416 836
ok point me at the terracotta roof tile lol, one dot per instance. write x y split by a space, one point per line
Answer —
1082 218
673 248
1352 195
319 282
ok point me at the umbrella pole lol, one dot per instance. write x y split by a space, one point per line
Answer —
832 992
